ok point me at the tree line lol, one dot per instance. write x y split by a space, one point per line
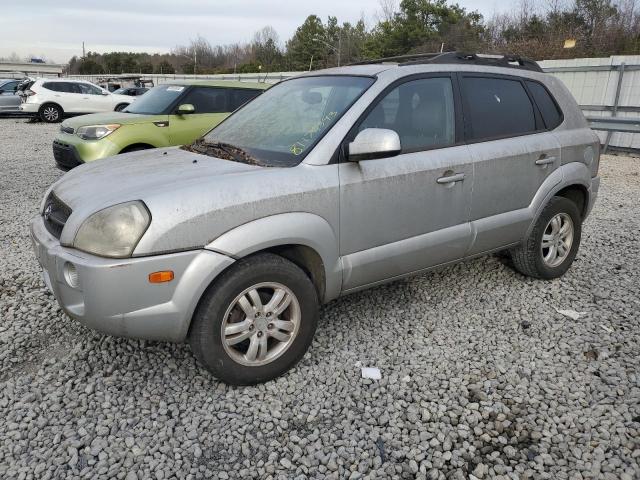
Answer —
539 29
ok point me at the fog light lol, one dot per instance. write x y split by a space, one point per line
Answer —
71 275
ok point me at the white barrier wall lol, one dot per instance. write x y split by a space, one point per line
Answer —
596 83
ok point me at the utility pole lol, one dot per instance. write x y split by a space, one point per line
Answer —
195 60
83 53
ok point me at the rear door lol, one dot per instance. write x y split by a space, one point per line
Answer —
408 212
513 154
211 107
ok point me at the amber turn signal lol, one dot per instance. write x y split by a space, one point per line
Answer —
161 277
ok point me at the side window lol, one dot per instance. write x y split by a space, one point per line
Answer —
497 107
551 114
10 86
54 87
69 87
87 89
240 96
420 111
207 100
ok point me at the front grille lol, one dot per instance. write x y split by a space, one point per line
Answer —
55 215
65 155
65 129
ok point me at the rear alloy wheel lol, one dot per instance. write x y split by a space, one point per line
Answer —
553 243
256 321
50 113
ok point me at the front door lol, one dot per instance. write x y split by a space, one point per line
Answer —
408 212
211 107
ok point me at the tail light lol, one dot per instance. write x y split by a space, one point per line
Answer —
28 93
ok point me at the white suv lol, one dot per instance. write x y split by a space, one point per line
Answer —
52 99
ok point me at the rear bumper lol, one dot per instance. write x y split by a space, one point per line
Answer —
31 108
593 195
114 296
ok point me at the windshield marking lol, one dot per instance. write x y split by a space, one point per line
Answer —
301 145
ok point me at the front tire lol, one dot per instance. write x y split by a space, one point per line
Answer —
50 113
256 321
121 107
553 243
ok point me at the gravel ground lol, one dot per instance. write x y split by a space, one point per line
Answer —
481 376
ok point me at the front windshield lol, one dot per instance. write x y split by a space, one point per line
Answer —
282 125
120 91
156 100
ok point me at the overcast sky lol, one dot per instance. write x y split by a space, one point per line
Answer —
56 29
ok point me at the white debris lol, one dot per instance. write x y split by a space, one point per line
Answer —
606 329
572 314
371 372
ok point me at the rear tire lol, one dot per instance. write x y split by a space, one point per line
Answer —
256 321
553 243
50 113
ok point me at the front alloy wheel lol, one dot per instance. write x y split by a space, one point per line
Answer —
256 321
261 324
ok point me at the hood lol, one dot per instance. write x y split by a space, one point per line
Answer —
136 175
192 198
109 118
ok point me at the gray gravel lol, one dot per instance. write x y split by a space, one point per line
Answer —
481 377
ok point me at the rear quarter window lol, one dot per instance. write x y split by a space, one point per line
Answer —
497 107
551 113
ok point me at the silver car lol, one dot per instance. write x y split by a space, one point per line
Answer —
328 183
9 99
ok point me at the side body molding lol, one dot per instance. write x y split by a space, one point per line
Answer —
296 228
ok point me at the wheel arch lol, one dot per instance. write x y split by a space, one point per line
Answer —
136 146
571 181
305 239
121 104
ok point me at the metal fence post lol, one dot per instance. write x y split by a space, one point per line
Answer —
614 112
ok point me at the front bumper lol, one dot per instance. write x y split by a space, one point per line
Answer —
114 296
70 151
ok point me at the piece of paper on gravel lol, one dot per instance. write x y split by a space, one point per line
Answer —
572 314
371 372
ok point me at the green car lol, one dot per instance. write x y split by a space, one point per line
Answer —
171 114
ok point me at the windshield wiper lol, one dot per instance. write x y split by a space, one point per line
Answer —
231 152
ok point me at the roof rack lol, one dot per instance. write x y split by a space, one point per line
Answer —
505 61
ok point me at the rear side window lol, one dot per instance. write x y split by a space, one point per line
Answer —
497 107
241 96
551 114
54 87
208 100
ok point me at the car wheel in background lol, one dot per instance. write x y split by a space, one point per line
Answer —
50 113
121 107
256 321
553 243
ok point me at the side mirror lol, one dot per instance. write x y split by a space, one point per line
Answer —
186 109
374 143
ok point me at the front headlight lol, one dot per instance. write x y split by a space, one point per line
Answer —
115 231
96 132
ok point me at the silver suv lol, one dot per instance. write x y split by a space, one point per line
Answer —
328 183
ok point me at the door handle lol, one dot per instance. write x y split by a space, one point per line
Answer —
450 179
544 160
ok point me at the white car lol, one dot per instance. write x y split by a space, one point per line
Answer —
52 99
